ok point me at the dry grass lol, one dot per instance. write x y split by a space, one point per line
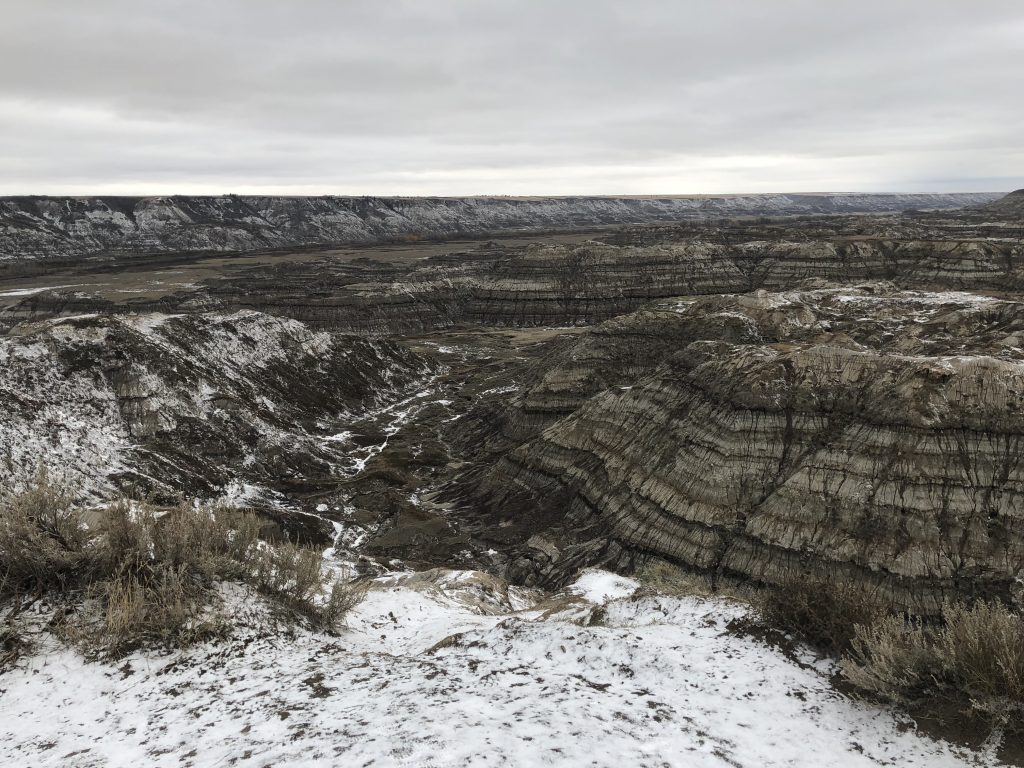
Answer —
42 542
971 658
975 653
663 578
129 575
295 578
823 614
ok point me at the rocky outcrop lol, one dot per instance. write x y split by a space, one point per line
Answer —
66 228
869 435
756 399
190 405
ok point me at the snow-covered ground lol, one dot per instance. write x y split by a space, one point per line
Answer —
450 668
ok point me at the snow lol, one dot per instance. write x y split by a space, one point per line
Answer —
393 417
65 423
33 291
454 668
237 493
149 322
86 427
922 297
599 586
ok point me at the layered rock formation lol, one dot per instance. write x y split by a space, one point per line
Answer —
755 399
541 285
65 228
869 435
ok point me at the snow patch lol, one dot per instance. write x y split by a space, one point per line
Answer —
601 586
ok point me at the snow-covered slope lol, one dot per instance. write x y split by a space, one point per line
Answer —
33 228
449 668
171 404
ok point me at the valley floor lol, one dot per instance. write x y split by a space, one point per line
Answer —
454 668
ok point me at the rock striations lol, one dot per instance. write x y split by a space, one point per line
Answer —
540 285
756 399
1011 206
870 435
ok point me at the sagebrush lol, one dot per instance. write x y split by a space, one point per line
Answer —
974 653
971 656
822 613
129 574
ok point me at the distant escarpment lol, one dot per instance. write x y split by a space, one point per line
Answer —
70 228
1011 206
870 435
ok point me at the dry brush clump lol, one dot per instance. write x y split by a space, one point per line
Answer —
971 657
129 574
661 577
823 614
295 578
42 542
974 653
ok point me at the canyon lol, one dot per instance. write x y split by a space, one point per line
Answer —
756 399
480 407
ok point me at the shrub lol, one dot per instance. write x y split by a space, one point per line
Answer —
892 654
821 613
969 660
983 648
295 578
42 542
975 653
663 578
136 575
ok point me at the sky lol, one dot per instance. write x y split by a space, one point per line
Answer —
518 97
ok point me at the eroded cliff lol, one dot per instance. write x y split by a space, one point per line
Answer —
871 435
187 405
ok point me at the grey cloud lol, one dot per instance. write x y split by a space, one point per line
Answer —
470 96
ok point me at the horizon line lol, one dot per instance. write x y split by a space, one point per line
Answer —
650 196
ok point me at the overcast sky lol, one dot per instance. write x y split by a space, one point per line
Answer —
455 97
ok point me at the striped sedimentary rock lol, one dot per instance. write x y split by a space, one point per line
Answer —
874 436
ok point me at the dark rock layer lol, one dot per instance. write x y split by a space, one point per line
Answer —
564 284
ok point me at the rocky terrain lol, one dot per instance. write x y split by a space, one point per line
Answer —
755 399
575 281
862 434
66 228
164 405
750 401
1009 207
